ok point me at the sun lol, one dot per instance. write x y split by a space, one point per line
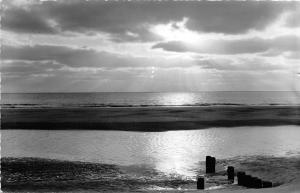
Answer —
176 31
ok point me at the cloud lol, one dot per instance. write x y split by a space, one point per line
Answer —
41 59
292 19
28 67
229 45
235 46
130 21
87 58
73 57
23 21
245 64
44 68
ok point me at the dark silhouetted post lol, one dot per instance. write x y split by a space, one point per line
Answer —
207 162
247 181
253 182
241 178
257 183
210 164
267 184
213 165
200 183
230 173
250 182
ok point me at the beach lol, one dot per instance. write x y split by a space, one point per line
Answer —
46 175
148 118
122 161
150 149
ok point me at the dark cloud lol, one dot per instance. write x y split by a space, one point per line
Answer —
82 58
32 67
73 57
129 21
61 54
174 46
239 46
23 69
24 21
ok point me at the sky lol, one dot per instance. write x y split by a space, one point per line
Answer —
150 46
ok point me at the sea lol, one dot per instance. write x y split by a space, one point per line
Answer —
146 99
159 157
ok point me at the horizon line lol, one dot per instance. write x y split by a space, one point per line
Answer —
74 92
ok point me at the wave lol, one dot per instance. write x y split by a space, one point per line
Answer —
103 105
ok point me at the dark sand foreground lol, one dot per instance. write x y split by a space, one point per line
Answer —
44 175
149 118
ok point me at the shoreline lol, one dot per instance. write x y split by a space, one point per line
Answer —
150 119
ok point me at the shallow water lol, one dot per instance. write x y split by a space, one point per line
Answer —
172 152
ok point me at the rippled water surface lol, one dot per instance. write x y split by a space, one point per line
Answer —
169 152
149 99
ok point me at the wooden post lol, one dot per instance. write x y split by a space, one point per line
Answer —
257 183
200 183
241 178
230 173
210 164
252 182
247 181
213 165
267 184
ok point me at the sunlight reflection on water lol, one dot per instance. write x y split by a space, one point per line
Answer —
173 152
178 99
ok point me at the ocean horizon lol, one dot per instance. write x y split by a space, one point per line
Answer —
148 99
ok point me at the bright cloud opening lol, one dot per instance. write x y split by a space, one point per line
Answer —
176 31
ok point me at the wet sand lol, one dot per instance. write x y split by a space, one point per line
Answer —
38 174
44 175
148 118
